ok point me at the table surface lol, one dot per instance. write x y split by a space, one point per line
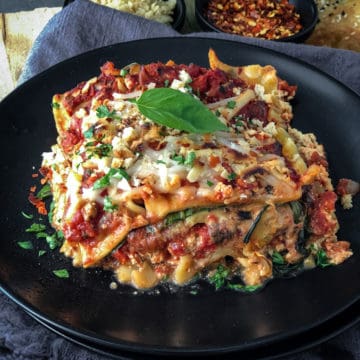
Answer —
339 26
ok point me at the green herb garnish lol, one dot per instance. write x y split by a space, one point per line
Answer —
27 216
44 192
61 273
108 205
36 228
182 160
124 72
41 253
113 173
190 158
232 176
55 240
209 183
27 245
243 288
178 110
55 105
321 259
219 278
277 258
89 133
103 112
231 104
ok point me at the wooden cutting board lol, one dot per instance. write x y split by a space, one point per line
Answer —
339 24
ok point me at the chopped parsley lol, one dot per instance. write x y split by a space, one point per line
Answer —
44 192
103 112
232 176
61 273
182 160
27 216
124 72
35 227
190 158
41 253
231 104
89 133
209 183
27 245
220 277
55 105
113 173
103 150
108 205
55 240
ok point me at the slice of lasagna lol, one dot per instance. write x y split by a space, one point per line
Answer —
140 195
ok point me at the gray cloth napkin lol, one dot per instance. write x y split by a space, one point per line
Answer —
83 26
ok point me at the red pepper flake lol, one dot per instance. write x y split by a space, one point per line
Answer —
33 189
39 204
35 175
268 19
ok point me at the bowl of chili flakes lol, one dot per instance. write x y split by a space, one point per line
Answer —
278 20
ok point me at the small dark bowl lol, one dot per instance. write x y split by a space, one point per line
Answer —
307 10
178 16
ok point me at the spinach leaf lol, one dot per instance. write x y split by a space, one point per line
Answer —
322 259
219 278
178 110
287 270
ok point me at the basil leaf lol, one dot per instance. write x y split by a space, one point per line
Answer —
178 110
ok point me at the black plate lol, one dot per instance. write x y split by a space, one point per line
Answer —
169 323
293 345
